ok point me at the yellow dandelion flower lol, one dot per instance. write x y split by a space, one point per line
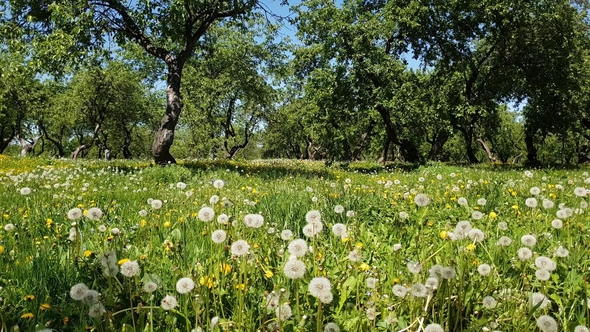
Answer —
225 268
359 245
515 207
45 306
241 286
6 216
256 246
29 297
364 267
123 261
443 234
28 315
470 247
493 215
166 224
268 274
142 223
1 250
87 253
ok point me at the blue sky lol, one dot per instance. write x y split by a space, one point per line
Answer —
289 31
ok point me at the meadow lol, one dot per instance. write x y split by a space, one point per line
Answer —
291 246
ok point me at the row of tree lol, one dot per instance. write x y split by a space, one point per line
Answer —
504 80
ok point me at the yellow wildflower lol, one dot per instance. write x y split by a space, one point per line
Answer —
1 250
166 224
123 261
359 245
364 267
225 268
470 247
241 286
87 253
268 274
142 223
29 297
493 215
28 315
443 234
45 306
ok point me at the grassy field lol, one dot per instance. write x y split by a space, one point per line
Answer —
291 246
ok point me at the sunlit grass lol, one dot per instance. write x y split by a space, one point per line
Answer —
210 245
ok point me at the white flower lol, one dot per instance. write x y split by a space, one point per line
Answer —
78 292
400 291
218 184
561 252
477 235
339 229
431 283
489 302
371 313
581 328
294 269
544 262
528 240
404 215
169 302
181 185
540 300
419 290
9 227
371 282
156 204
339 209
535 191
185 285
503 226
484 269
254 220
222 218
214 200
286 235
421 200
524 254
115 231
482 201
130 268
284 312
531 202
313 216
143 213
319 286
433 328
297 248
312 229
504 241
25 191
219 236
240 248
94 214
580 192
414 267
206 214
548 204
547 324
462 201
150 287
354 256
397 246
350 213
542 274
449 272
96 310
91 297
75 214
557 223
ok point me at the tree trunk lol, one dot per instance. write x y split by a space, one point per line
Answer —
27 147
487 149
531 149
56 143
165 135
468 137
364 139
437 143
407 148
385 150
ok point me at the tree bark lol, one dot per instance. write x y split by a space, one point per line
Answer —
487 149
468 137
165 135
407 148
27 147
531 149
437 143
56 143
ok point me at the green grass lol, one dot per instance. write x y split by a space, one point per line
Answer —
40 260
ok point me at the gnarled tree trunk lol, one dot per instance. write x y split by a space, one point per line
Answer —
529 140
487 149
165 135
